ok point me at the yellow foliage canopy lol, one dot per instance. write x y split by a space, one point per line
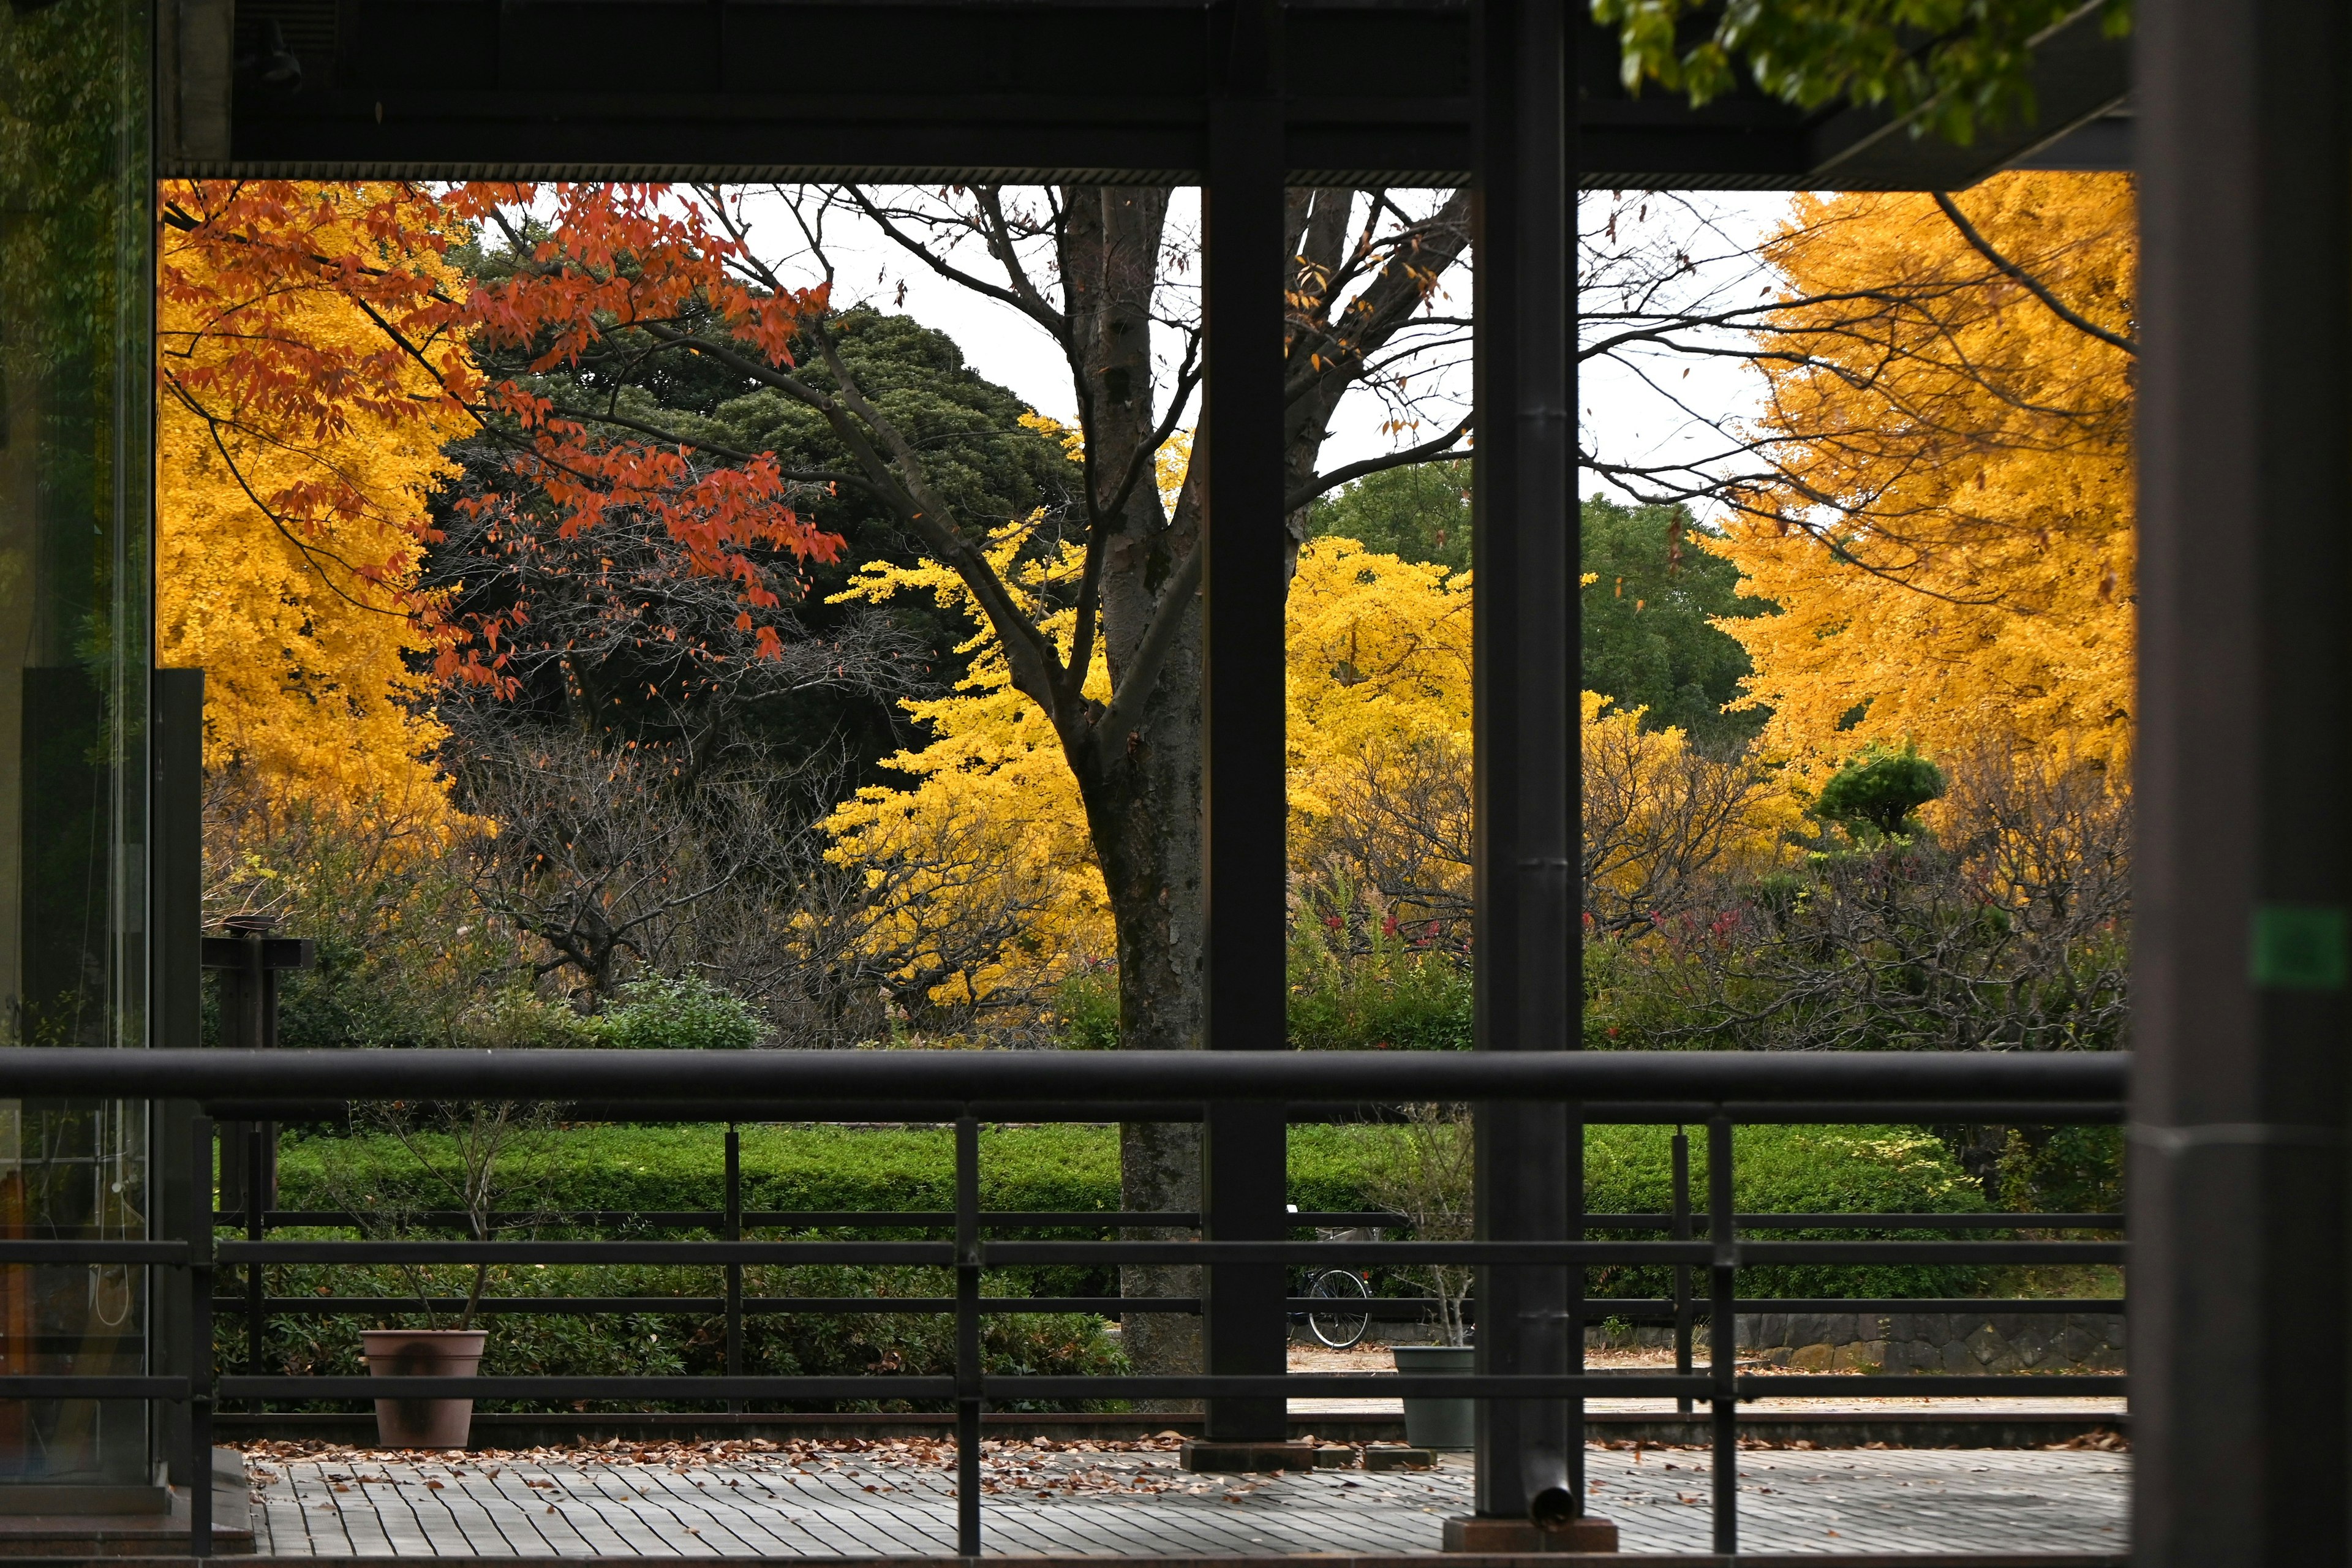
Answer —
1380 734
992 825
1952 547
302 626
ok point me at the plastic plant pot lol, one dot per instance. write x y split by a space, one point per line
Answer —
423 1352
1439 1423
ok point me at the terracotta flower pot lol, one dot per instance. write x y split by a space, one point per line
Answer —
423 1352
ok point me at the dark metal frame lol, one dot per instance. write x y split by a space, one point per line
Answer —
1503 94
2077 1089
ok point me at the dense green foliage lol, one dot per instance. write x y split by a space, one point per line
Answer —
1419 513
1394 996
1960 66
1648 633
1880 790
1650 641
683 1015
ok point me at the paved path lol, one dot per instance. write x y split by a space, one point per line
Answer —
805 1500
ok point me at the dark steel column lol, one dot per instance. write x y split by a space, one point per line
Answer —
175 1011
1243 1175
1525 548
2239 1099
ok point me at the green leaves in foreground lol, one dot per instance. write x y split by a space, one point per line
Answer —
1960 66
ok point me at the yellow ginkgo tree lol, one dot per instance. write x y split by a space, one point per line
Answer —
1949 538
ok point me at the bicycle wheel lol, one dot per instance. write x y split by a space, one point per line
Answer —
1344 1322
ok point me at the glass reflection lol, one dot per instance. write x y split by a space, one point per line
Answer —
75 291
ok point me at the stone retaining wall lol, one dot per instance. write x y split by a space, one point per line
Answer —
1936 1341
1881 1341
1917 1341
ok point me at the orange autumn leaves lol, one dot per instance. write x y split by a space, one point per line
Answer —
316 354
1950 546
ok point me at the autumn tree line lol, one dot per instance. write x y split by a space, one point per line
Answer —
614 639
608 634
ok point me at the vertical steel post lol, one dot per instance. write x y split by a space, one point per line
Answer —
175 1004
734 1232
257 1321
2242 888
200 1337
1723 1335
1246 1322
1524 543
967 1362
1681 1232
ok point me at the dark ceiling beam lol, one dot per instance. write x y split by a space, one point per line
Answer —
1004 90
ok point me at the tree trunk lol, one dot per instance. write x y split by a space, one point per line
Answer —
1142 790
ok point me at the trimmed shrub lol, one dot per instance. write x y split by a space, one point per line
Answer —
687 1014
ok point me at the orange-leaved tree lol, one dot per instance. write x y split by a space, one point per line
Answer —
318 351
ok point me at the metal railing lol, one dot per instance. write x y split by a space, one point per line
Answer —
1716 1090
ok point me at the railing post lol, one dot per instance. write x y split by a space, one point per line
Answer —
967 1360
200 1336
1723 1334
257 1184
734 1232
1681 1232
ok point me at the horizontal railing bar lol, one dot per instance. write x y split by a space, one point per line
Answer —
898 1111
876 1218
1341 1385
171 1253
885 1385
1306 1385
997 1254
775 1218
1597 1308
1876 1221
1934 1386
1001 1254
725 1080
590 1306
1403 1307
935 1253
129 1387
1749 1254
1761 1253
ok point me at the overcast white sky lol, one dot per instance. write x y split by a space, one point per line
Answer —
1628 415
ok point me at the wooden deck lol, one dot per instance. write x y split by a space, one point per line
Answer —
898 1500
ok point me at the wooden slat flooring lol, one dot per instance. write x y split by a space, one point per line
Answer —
812 1502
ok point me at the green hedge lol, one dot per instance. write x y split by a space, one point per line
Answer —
1775 1170
1787 1170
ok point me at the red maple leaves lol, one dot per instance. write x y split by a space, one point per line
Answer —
247 265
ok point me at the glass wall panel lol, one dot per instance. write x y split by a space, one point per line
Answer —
76 286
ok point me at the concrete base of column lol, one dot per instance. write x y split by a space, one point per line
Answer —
1517 1537
1232 1458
